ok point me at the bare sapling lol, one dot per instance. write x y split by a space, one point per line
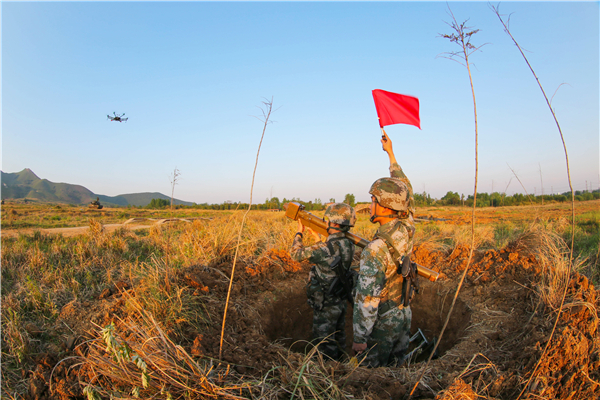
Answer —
266 114
506 25
542 181
461 36
523 186
174 179
505 189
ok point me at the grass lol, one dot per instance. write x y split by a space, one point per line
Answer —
42 273
147 362
43 216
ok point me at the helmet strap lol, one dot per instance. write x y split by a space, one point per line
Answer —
389 216
329 227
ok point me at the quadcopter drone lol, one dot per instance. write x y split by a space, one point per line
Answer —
117 117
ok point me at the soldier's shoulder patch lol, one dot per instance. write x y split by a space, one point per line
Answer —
376 245
370 263
401 235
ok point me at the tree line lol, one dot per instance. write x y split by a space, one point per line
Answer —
270 204
424 199
501 200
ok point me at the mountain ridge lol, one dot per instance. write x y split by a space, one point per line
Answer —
27 185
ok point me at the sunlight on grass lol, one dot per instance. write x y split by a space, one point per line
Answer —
45 274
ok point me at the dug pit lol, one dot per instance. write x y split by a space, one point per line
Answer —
288 318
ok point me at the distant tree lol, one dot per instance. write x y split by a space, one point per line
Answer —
273 203
318 205
495 199
158 203
350 200
451 198
588 196
422 199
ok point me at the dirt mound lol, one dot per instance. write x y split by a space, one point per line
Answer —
491 346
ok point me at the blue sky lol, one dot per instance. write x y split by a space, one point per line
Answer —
191 77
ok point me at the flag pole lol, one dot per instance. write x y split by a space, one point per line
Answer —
383 134
381 127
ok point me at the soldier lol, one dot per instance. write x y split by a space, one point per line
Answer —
396 172
381 323
328 286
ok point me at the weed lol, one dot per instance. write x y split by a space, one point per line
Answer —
14 336
504 233
148 364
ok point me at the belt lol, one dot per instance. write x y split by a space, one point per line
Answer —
387 306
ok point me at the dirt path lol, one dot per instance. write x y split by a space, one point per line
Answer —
80 230
67 232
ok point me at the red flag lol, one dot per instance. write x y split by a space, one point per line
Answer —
394 108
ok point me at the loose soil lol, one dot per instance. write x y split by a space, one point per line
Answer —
68 232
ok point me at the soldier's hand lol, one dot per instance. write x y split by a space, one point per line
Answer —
359 347
314 234
300 226
386 142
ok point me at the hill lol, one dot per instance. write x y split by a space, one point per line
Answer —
27 185
143 199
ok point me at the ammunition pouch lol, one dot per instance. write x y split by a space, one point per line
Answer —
314 293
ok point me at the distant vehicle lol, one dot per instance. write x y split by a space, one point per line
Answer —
96 204
117 117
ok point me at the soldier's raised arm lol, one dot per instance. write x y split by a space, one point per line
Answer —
386 143
395 169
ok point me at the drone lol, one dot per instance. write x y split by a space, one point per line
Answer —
117 117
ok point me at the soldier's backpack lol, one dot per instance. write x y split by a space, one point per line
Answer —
343 284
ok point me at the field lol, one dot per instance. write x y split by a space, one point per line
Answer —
125 313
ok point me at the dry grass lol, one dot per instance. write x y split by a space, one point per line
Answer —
43 273
553 255
138 358
17 215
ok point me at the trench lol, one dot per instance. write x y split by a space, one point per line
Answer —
288 319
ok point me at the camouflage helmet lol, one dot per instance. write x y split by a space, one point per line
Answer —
391 193
340 213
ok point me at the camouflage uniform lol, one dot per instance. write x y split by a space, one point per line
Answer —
329 310
380 319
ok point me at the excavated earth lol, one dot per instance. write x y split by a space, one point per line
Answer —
490 347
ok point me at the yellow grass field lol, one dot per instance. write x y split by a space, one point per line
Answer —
115 310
